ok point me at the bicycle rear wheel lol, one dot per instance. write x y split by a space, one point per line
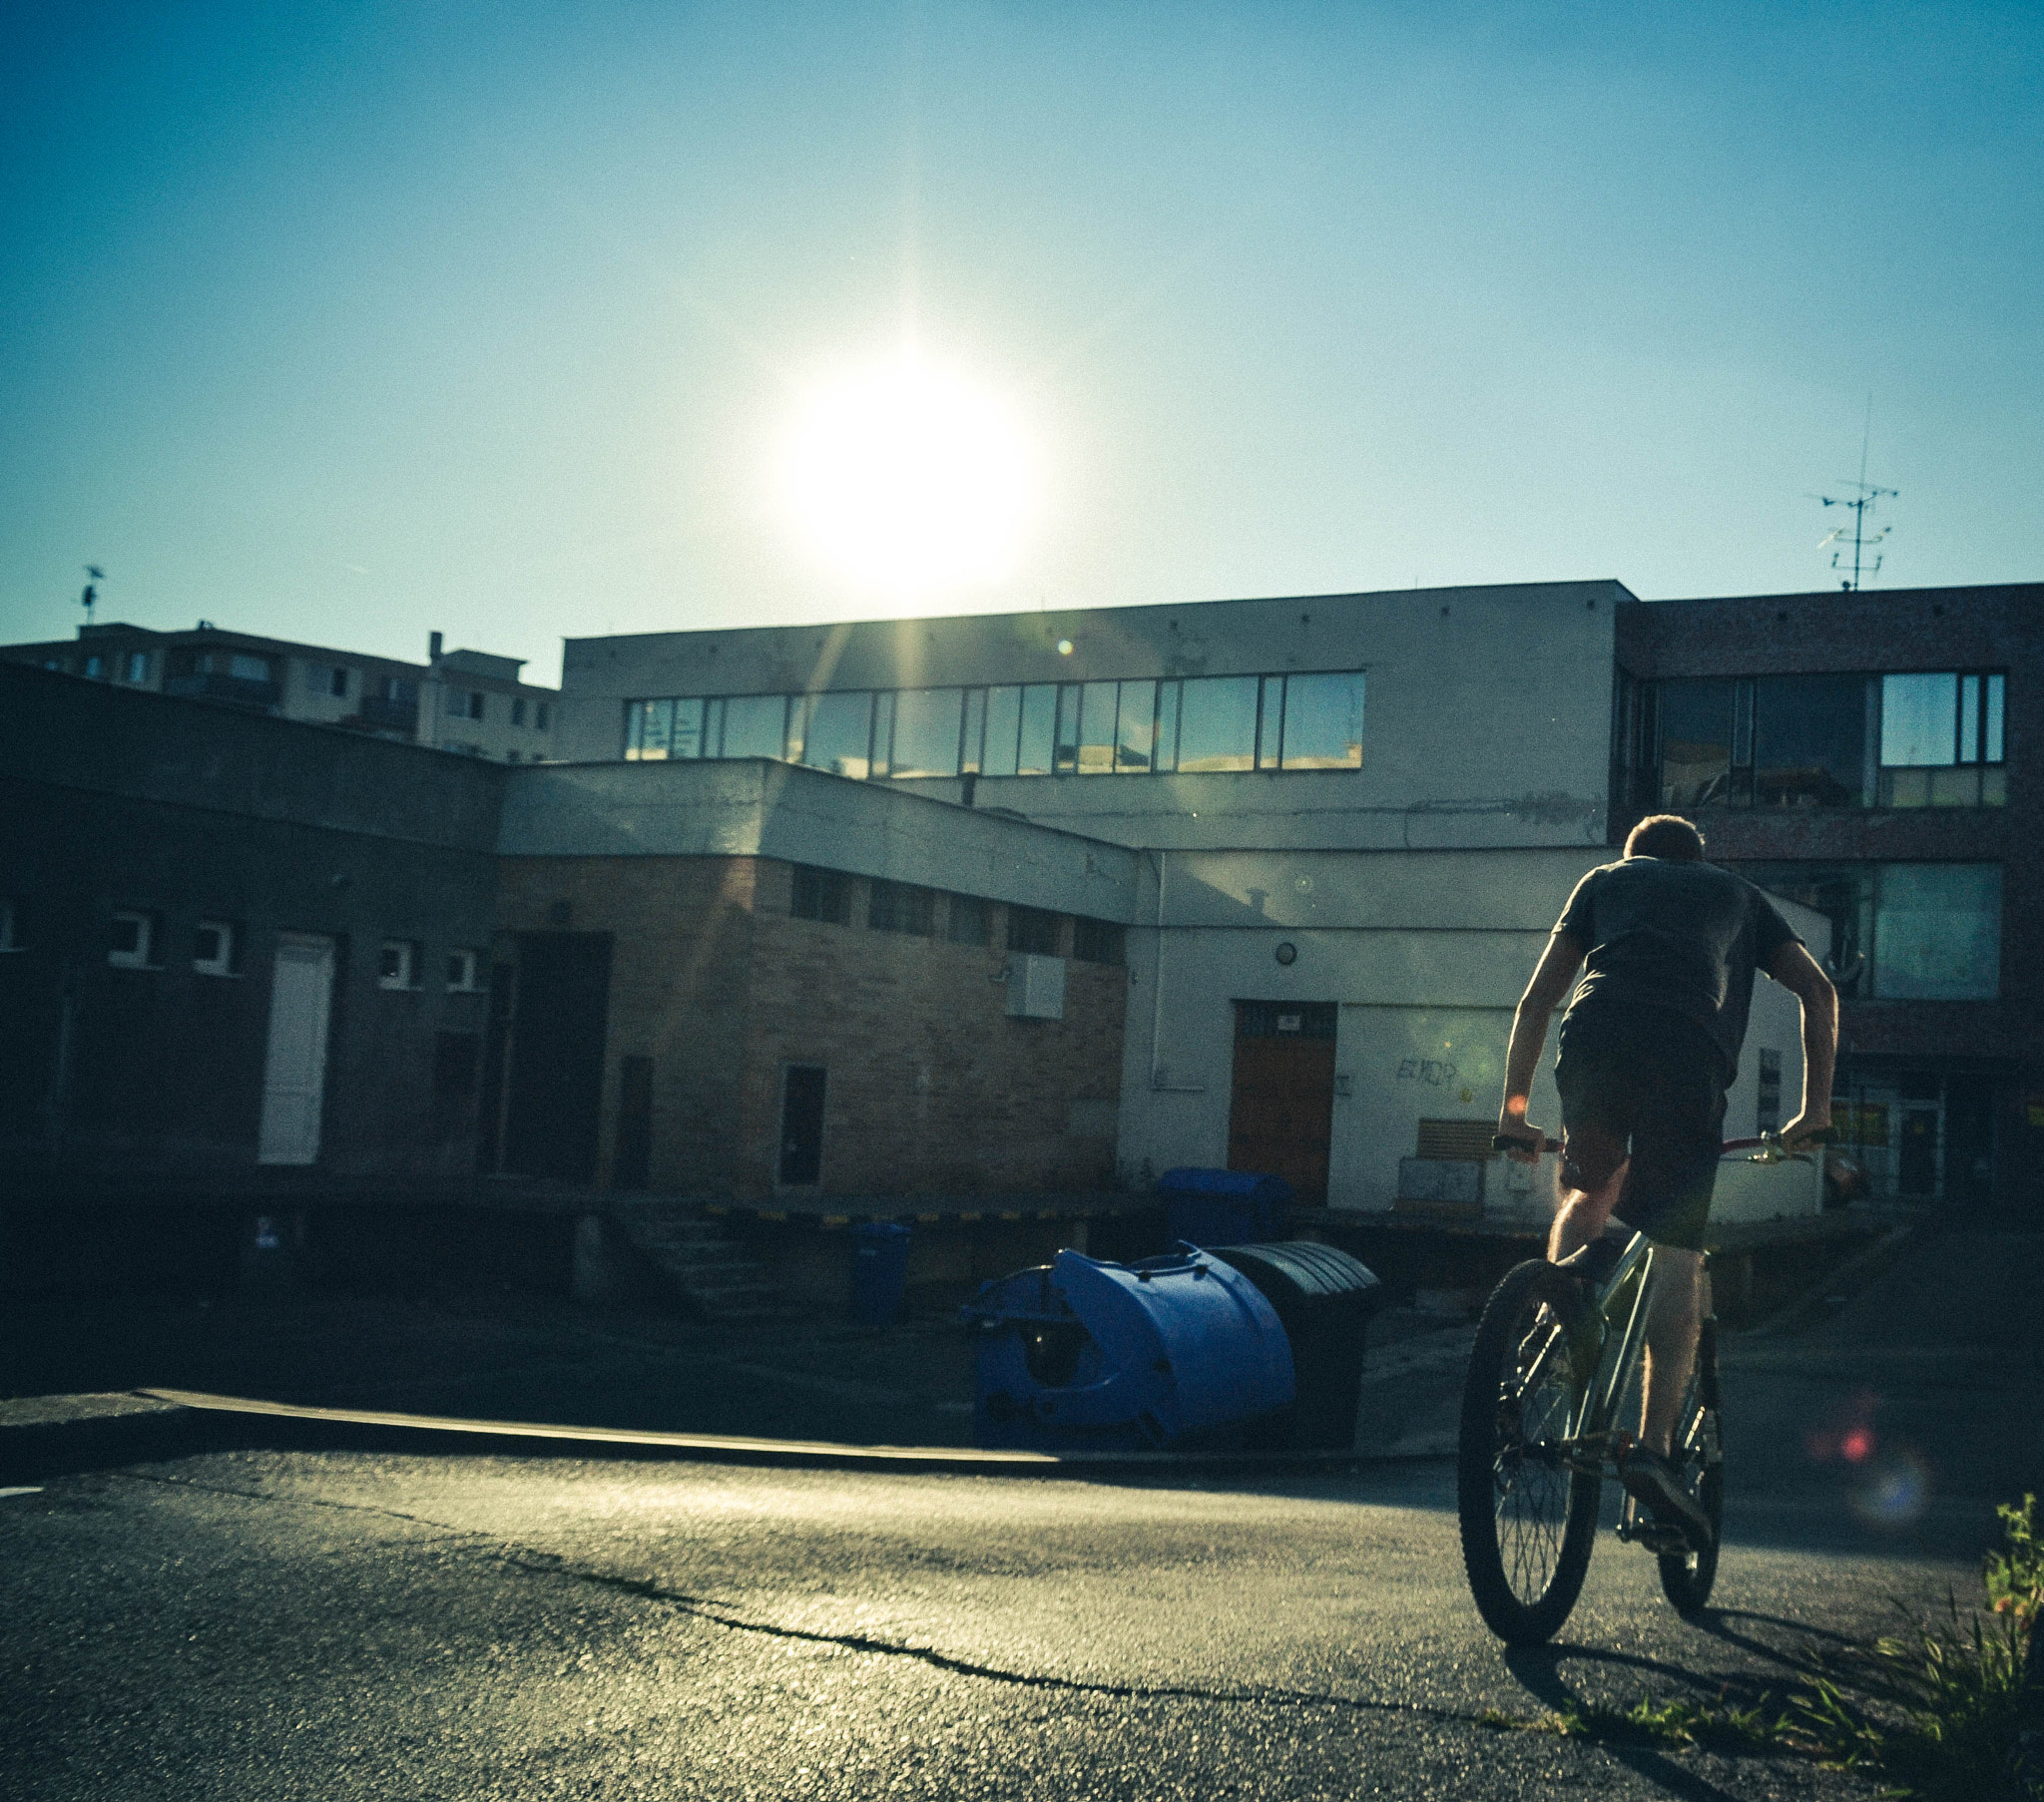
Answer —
1528 1520
1687 1577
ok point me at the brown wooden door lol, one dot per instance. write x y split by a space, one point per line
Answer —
1282 1112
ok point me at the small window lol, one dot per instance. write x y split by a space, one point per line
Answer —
397 961
821 895
131 939
970 921
10 927
248 668
94 666
475 704
1098 941
539 716
903 907
54 662
138 667
213 950
462 972
1032 930
337 682
517 709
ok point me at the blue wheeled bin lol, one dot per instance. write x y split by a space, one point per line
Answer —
880 1270
1174 1352
1223 1207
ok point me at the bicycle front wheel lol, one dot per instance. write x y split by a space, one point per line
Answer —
1687 1577
1528 1518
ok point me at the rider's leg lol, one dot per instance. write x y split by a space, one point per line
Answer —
1583 1215
1674 1317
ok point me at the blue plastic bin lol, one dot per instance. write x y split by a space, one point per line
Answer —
1223 1207
1176 1351
880 1270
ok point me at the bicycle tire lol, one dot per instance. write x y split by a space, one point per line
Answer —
1528 1525
1687 1577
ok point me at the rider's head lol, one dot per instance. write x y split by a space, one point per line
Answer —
1667 837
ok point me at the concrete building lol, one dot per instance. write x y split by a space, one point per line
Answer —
1360 816
467 702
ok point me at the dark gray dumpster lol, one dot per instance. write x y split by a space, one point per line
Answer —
1325 1300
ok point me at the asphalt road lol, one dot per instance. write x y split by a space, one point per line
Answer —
339 1624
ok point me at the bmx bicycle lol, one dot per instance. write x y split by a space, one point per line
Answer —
1554 1359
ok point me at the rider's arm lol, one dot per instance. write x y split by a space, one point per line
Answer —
1553 977
1797 972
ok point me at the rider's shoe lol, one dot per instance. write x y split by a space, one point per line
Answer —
1651 1478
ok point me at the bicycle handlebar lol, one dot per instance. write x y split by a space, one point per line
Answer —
1768 1141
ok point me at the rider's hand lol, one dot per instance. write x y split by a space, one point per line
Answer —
1806 1129
1514 1124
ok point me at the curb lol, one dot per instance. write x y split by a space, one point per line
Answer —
154 1424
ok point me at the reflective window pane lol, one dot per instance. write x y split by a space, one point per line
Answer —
1216 723
1067 758
688 736
655 729
883 733
712 726
1696 742
1136 727
1969 719
1271 723
1039 729
1937 932
839 735
1096 728
755 725
1166 726
1003 723
1918 720
1810 742
1324 722
975 727
926 731
1997 687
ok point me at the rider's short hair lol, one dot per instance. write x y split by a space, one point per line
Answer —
1666 835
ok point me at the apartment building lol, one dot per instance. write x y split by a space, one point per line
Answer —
467 702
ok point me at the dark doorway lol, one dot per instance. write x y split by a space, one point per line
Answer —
489 1151
1970 1142
801 1125
632 1164
1916 1167
1283 1112
555 1086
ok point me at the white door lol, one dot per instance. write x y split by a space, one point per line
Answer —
294 1071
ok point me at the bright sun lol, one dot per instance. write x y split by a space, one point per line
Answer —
910 478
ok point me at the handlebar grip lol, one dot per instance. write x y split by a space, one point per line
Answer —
1507 1141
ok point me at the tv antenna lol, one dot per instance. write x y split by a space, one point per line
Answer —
90 599
1864 544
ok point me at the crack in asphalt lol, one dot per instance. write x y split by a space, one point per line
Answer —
532 1561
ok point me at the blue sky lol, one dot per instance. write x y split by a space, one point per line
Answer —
344 322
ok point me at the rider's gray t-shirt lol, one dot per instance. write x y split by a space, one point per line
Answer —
1679 936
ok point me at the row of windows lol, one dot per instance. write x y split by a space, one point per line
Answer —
136 940
906 907
1932 738
331 681
1902 931
1222 723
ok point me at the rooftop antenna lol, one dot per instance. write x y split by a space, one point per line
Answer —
90 599
1866 552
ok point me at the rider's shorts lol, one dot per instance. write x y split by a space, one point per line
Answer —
1650 1086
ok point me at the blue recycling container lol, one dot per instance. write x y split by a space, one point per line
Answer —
880 1270
1179 1351
1223 1207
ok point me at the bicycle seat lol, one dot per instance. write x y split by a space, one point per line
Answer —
1594 1262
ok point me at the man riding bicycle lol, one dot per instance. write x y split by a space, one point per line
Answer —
1649 1046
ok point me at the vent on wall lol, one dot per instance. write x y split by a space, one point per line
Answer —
1456 1141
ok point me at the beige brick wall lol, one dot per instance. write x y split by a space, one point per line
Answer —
933 1089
